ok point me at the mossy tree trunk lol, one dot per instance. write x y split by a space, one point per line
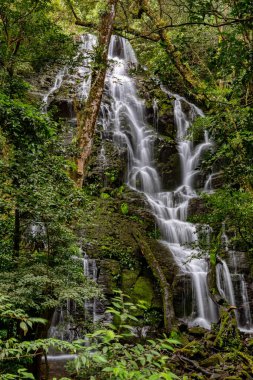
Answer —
168 309
87 113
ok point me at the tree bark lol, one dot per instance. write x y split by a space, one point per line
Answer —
168 309
87 114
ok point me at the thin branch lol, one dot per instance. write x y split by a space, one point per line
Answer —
87 24
72 10
128 30
235 21
194 364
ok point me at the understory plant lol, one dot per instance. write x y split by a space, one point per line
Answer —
115 352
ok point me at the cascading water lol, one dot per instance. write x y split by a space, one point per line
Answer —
128 119
90 306
232 286
170 208
57 84
74 76
125 116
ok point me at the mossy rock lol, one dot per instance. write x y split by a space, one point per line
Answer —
197 331
128 279
193 349
212 361
143 291
109 275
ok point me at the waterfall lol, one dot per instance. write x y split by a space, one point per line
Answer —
170 208
230 280
124 117
80 77
90 306
56 85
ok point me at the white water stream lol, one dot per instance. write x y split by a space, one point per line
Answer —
230 280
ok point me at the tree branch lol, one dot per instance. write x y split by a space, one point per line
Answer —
234 21
72 9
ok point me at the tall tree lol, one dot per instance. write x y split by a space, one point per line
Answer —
87 111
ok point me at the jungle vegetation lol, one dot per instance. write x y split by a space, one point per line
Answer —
201 49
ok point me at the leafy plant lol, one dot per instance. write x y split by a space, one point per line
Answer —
116 352
124 208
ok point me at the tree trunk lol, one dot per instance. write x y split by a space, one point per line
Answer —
168 310
87 114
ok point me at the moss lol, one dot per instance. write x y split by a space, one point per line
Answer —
143 291
228 334
212 361
110 275
192 349
197 331
128 279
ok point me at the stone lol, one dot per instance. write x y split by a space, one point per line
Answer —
143 291
128 279
215 376
212 361
197 331
109 272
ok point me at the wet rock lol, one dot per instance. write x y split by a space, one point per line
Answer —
167 161
197 331
212 361
143 291
109 273
128 279
65 108
215 376
182 295
196 207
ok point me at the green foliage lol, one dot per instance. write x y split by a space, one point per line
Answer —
29 39
104 195
124 208
213 258
112 175
232 133
113 249
40 215
235 208
113 352
23 125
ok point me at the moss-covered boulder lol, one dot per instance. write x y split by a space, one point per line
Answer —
212 361
128 279
143 291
